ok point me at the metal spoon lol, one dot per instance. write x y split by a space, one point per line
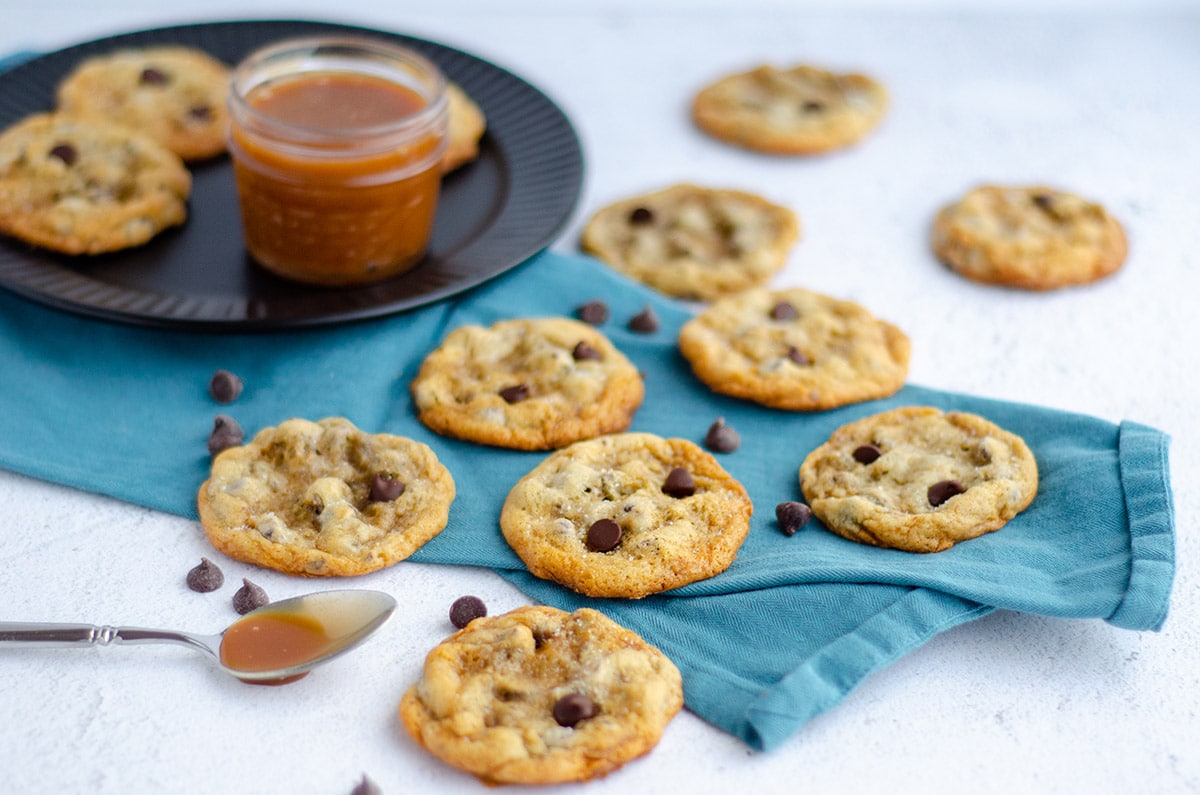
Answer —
340 620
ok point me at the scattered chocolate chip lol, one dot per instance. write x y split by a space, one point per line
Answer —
641 215
66 153
224 386
466 609
385 488
572 708
225 433
584 351
249 597
791 516
812 106
153 77
797 356
644 322
603 535
205 577
366 787
201 113
784 311
679 483
943 490
721 438
866 453
593 312
515 393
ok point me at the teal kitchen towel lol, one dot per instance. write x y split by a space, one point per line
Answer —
793 625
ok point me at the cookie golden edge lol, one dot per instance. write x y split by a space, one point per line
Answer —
709 116
918 533
732 277
569 567
611 412
970 255
476 758
104 230
237 537
696 350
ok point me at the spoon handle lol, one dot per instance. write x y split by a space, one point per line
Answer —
50 635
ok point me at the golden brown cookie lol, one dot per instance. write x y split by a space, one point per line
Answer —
87 187
324 499
1034 238
795 349
466 126
541 696
798 111
918 479
627 515
527 384
692 242
175 95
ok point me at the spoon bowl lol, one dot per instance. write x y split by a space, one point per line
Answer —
275 644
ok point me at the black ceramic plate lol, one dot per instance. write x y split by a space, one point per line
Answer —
494 213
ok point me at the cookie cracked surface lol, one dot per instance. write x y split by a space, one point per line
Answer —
694 242
797 111
664 537
527 384
1033 238
80 186
324 499
485 702
175 95
795 349
919 479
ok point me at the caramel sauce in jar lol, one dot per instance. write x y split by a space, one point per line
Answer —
336 145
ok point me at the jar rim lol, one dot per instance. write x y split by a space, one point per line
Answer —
299 56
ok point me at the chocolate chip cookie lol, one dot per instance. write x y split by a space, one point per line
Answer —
627 515
798 111
919 479
175 95
1033 238
541 696
693 242
795 349
81 186
527 384
324 499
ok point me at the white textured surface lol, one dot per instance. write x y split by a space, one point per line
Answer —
1108 105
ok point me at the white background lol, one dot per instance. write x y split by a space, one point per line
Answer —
1104 102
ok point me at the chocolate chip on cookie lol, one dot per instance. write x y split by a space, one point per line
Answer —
385 488
866 453
582 351
943 490
572 708
603 535
679 483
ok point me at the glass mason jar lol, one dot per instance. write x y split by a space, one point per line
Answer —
336 145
